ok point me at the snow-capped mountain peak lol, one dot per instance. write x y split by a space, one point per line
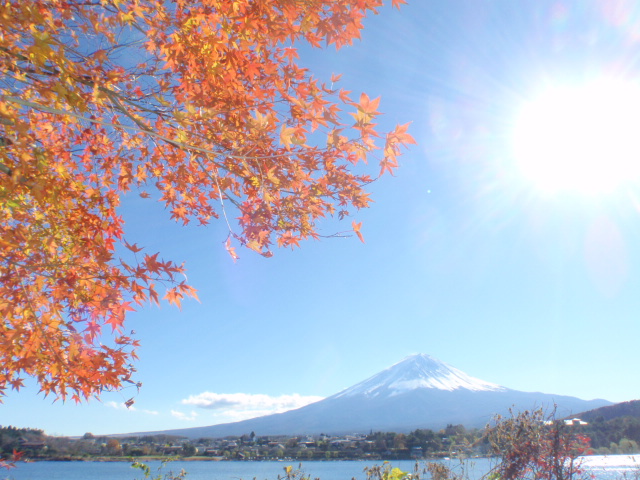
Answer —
418 392
417 372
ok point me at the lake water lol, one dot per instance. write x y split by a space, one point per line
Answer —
604 468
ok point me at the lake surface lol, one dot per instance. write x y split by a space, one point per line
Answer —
604 468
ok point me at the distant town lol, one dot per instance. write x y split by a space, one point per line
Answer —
607 436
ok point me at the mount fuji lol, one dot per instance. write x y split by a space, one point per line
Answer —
418 392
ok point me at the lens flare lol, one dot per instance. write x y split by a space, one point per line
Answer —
580 138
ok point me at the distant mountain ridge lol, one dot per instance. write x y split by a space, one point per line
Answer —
623 409
417 392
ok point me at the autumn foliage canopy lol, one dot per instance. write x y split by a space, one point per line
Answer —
198 104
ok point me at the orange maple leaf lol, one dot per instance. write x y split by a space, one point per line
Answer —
134 248
115 322
367 105
231 250
401 136
356 229
173 296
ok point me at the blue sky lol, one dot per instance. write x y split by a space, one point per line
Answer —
467 258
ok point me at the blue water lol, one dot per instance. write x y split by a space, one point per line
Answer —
195 470
336 470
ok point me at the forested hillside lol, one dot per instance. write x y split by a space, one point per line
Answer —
623 409
614 429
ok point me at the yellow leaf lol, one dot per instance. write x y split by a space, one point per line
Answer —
285 135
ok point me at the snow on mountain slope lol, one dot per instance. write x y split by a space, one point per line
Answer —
417 372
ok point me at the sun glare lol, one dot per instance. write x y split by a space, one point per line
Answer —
581 138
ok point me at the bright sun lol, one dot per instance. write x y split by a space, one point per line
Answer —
581 138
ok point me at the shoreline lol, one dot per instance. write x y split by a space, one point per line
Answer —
623 460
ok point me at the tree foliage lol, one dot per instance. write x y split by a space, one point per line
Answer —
11 441
608 435
532 448
201 104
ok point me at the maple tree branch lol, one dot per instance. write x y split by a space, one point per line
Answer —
85 80
29 70
111 93
118 105
39 269
146 130
56 111
6 170
17 55
336 235
215 179
176 143
117 98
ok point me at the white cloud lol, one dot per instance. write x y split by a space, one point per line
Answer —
122 406
119 406
238 415
233 407
187 417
